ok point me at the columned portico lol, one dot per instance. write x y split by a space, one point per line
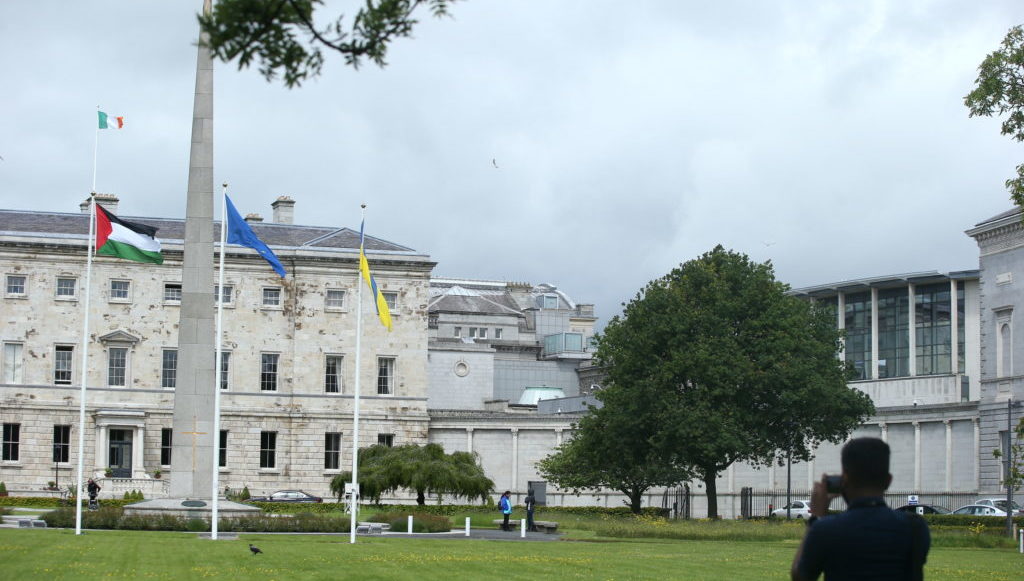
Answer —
129 420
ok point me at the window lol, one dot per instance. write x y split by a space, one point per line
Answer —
271 297
386 440
66 287
172 292
268 449
169 368
550 302
335 299
12 436
472 332
61 443
483 332
12 362
858 333
62 364
224 295
458 332
15 285
332 374
332 451
268 371
893 333
225 368
117 364
497 333
222 454
166 436
385 375
391 298
933 329
120 290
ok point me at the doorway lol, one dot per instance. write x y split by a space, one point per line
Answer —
119 457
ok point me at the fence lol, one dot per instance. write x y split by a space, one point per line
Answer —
759 503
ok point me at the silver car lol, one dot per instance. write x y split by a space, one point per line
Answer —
797 509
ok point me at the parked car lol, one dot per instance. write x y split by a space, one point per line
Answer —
287 496
1000 503
928 508
979 510
797 509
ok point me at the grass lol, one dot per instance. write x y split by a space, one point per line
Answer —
59 554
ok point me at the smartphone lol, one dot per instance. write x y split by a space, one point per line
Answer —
833 483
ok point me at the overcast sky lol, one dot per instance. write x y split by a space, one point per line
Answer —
829 137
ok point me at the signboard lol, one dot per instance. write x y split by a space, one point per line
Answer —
912 500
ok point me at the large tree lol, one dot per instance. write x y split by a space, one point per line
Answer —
284 37
421 469
615 447
999 90
740 370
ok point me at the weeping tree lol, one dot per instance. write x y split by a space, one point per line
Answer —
421 469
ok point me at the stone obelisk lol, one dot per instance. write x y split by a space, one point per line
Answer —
193 440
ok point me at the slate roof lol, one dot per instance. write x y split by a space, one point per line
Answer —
457 299
281 235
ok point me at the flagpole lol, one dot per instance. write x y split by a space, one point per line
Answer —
95 147
354 502
218 359
85 355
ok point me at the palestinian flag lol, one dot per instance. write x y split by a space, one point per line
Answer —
124 239
111 121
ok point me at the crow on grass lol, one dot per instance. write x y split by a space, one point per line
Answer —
254 549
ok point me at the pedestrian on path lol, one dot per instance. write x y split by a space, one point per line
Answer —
505 504
530 503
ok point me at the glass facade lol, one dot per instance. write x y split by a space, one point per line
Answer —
857 315
893 333
933 329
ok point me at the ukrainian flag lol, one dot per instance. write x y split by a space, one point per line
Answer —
364 267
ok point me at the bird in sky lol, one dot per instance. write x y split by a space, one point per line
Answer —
254 549
494 162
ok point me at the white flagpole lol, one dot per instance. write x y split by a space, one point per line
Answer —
218 356
95 147
354 501
85 356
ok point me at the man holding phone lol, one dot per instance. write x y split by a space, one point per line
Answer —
869 540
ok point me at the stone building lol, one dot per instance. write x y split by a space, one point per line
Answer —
289 360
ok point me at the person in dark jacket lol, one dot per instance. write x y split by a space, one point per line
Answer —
869 540
530 503
93 489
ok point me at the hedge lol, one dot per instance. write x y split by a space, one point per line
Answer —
111 517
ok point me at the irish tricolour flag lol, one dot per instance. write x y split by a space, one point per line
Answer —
110 121
124 239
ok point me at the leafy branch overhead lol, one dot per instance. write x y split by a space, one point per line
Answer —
999 90
283 36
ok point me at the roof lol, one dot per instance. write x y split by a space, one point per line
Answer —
892 280
457 299
168 229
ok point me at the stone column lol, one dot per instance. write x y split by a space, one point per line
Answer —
558 436
194 441
469 440
917 456
977 453
954 322
885 431
949 455
515 458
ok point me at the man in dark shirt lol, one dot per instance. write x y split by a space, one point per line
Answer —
869 540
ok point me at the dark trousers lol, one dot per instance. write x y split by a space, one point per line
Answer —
504 524
529 521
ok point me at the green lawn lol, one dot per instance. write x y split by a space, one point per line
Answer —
59 554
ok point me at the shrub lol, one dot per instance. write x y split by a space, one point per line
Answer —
3 488
245 493
421 521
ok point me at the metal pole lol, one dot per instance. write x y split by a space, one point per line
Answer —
789 484
354 498
85 362
218 359
1009 466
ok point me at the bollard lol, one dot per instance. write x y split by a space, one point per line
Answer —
467 526
1021 534
410 524
522 528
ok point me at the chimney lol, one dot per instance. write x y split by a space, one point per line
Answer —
284 210
108 201
251 218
